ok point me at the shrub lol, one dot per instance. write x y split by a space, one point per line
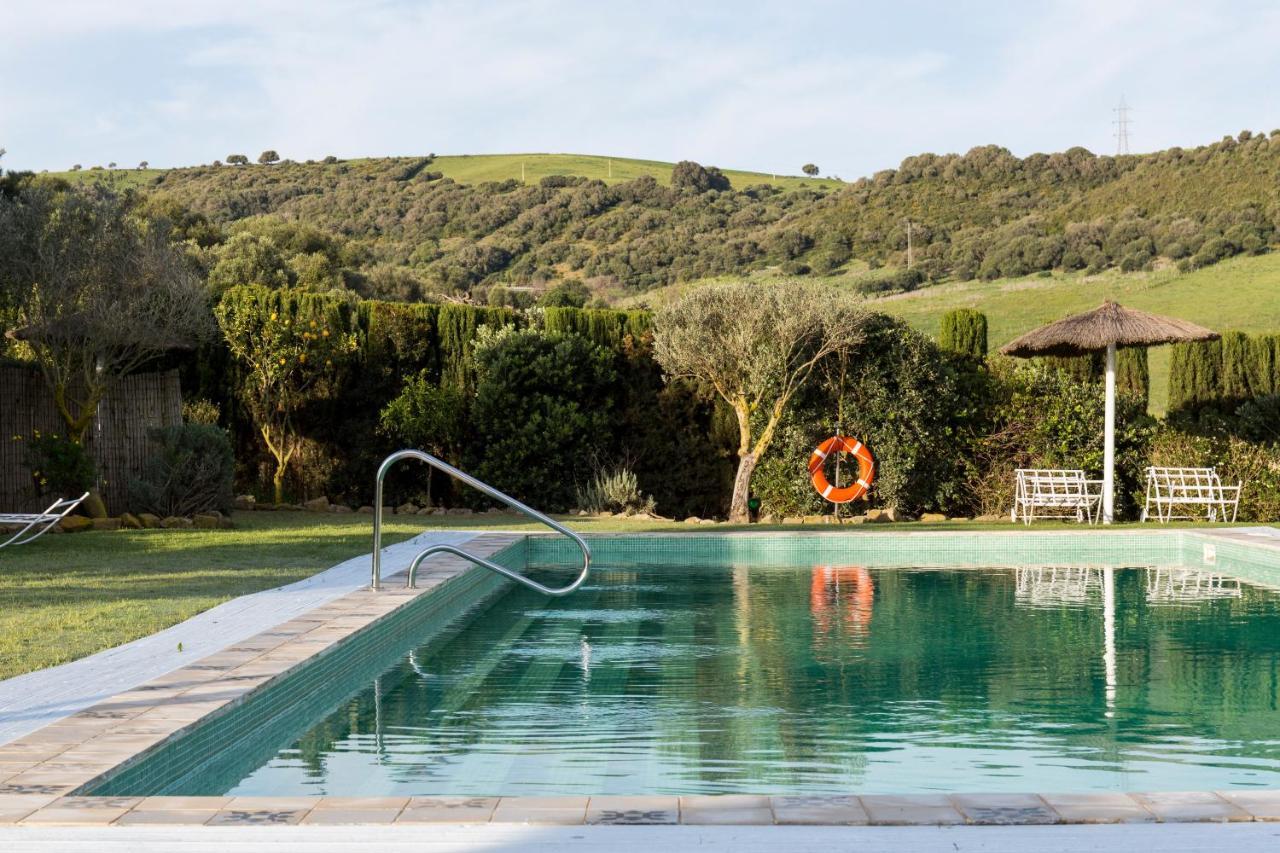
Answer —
614 491
190 471
542 407
59 467
201 411
1256 466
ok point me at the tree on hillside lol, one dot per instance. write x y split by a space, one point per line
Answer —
268 157
142 165
694 176
76 167
95 293
809 169
757 345
237 159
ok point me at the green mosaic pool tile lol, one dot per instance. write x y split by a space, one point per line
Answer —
871 549
253 729
1258 564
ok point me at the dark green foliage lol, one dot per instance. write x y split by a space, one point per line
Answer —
964 331
1133 378
457 330
269 156
1043 417
688 175
190 470
1259 419
1195 371
59 467
985 213
810 169
1221 375
542 409
917 407
566 294
1234 375
237 159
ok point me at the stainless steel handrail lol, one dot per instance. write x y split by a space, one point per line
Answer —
450 549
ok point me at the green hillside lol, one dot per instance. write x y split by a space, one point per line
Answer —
1240 293
479 168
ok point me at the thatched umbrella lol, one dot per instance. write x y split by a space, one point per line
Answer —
1106 328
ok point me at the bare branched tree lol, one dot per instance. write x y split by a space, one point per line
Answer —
757 345
93 292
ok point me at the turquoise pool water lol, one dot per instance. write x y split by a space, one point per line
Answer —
671 679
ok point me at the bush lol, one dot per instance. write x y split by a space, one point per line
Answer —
1256 466
614 491
542 407
59 467
190 471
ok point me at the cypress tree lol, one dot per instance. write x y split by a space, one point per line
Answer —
964 331
1234 375
1132 376
1262 364
1193 375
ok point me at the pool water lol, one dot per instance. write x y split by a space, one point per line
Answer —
664 679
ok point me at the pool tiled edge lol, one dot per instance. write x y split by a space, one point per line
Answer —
81 751
42 775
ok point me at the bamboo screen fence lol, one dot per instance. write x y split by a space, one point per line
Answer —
118 440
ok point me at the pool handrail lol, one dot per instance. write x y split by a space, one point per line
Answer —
422 456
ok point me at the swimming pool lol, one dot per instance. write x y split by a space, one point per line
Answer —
776 668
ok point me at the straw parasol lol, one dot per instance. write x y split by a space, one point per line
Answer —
1109 327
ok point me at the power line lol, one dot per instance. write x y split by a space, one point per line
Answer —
1122 122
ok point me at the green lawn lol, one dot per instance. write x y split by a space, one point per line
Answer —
64 597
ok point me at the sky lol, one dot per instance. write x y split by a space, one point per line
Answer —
853 87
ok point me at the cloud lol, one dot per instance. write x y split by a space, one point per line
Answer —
747 85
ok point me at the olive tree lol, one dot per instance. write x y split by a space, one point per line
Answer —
93 292
757 345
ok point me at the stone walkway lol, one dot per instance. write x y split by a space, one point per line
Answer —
29 702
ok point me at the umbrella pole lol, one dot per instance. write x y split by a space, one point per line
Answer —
1109 441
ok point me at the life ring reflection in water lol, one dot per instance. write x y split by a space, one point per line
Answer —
842 595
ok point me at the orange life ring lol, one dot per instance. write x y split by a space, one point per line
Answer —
866 469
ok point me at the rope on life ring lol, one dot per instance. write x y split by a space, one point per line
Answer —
866 469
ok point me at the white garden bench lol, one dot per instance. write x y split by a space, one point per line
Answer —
33 525
1174 492
1056 493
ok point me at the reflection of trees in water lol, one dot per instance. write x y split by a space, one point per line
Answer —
776 675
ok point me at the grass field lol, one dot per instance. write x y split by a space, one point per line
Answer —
1241 293
478 168
64 597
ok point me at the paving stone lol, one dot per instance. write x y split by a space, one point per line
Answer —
336 816
183 803
1186 806
557 810
732 809
822 810
1262 804
182 817
911 810
1098 808
633 811
1002 809
257 817
448 810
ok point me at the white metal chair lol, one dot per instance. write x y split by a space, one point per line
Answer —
1056 493
33 525
1173 492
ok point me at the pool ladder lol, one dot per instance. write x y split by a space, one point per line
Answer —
440 465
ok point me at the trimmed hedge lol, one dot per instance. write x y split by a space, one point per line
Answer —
964 331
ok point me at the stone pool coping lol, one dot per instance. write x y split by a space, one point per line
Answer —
41 772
